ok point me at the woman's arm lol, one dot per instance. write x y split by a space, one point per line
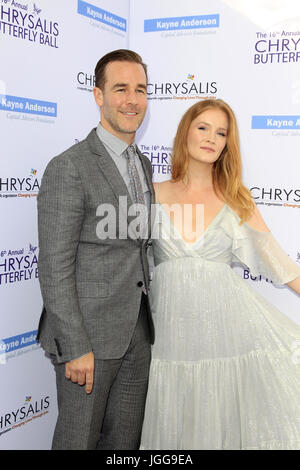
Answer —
295 285
257 222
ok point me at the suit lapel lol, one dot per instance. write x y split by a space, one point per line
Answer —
108 166
150 186
113 177
148 176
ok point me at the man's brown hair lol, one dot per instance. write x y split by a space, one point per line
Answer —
123 55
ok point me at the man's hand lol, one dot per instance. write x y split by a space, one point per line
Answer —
81 371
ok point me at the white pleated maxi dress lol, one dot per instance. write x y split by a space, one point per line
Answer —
223 374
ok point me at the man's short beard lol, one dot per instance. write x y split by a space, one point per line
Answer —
116 128
124 131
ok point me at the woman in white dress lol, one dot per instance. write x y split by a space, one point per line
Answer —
223 374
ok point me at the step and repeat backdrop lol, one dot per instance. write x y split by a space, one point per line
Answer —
48 51
248 54
245 52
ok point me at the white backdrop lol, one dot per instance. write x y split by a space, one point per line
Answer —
62 74
244 51
218 59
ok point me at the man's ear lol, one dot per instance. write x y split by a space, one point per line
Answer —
98 95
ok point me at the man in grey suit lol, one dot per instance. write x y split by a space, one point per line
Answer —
96 323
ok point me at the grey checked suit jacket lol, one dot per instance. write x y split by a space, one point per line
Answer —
91 288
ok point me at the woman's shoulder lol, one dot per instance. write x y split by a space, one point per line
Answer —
162 184
162 188
255 221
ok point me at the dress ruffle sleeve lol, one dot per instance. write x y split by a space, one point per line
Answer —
262 254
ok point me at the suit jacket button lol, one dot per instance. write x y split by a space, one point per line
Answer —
140 284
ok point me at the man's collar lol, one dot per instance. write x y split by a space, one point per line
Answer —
115 144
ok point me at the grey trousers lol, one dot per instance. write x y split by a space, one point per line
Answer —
111 417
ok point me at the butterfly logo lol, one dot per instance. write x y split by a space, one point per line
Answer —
36 10
190 77
27 399
32 249
33 172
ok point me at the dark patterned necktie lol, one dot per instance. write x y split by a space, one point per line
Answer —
135 182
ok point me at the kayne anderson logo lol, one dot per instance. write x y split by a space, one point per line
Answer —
17 345
24 413
26 21
20 187
276 122
18 265
277 47
181 23
190 88
271 196
17 104
279 124
101 16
